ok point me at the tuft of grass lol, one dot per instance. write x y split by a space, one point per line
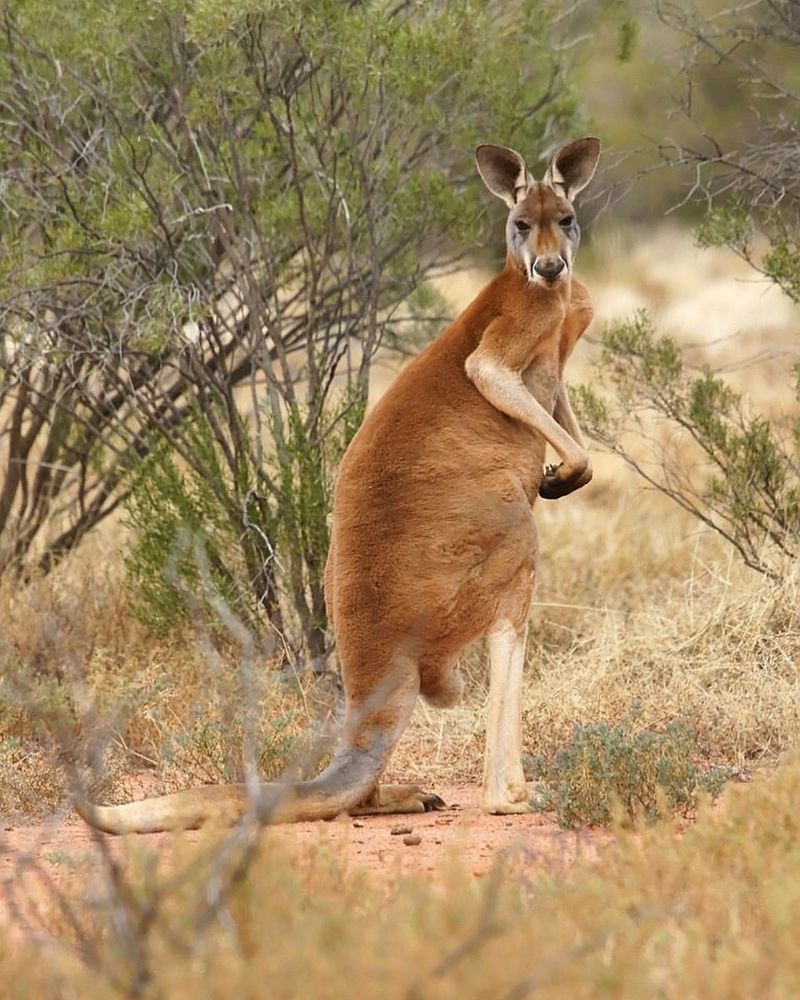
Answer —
609 770
59 859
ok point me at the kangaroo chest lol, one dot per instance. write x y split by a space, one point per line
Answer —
541 381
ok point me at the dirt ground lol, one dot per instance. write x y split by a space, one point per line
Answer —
35 859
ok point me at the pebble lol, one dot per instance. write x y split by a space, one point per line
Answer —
412 840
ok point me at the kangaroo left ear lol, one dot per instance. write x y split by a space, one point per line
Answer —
573 166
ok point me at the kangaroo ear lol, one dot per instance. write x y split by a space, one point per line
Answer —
573 166
504 172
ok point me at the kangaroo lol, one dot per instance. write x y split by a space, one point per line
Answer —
434 544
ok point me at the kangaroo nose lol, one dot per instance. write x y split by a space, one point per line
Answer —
549 268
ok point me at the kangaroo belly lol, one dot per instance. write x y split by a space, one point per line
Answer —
434 568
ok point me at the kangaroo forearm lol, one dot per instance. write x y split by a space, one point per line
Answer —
505 390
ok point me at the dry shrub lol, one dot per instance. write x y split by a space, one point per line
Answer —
54 629
625 771
712 913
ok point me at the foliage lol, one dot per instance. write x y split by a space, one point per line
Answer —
607 768
628 33
736 471
202 533
307 463
782 265
183 522
748 181
211 207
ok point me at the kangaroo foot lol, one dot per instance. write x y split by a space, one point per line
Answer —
398 799
507 808
506 798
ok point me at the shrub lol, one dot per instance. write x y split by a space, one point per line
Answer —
245 523
735 470
606 768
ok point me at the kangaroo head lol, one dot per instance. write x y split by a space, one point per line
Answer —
542 234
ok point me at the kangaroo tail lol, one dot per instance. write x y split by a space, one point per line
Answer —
370 735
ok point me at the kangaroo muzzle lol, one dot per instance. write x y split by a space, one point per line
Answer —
549 268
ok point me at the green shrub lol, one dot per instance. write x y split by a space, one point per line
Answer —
171 510
606 768
735 470
242 528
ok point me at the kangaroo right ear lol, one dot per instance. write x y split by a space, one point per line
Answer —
504 172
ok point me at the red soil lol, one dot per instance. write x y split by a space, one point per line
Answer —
35 859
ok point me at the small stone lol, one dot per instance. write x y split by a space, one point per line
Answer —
412 840
399 831
357 824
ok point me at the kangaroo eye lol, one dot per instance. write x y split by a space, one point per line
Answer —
522 226
567 222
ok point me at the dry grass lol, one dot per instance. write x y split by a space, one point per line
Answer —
84 684
711 913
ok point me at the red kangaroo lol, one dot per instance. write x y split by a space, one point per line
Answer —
434 543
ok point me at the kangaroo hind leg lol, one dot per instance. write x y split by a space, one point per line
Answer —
390 798
504 787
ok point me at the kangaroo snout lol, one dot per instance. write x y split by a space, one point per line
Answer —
549 267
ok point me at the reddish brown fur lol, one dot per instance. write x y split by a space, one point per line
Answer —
433 535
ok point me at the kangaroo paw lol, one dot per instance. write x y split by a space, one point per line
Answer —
558 482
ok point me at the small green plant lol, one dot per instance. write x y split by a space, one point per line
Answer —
59 859
606 768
